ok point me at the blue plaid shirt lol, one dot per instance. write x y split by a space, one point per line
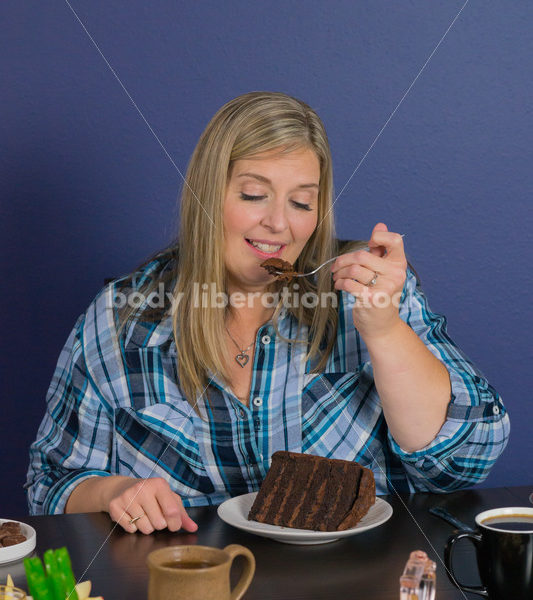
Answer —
114 407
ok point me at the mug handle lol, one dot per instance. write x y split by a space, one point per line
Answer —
247 575
475 538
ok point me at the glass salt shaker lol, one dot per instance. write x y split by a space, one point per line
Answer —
418 581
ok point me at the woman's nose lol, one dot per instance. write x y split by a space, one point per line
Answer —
275 218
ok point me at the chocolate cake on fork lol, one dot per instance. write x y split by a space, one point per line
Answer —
281 269
311 492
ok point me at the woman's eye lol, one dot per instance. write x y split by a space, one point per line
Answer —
301 205
247 197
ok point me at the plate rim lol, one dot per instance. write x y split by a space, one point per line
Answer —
289 532
18 551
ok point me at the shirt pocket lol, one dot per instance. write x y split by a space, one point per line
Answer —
159 441
327 394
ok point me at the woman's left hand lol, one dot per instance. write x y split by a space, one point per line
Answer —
376 279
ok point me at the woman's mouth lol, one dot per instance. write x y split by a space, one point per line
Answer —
264 249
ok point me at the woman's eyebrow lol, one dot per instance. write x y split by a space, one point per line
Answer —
266 180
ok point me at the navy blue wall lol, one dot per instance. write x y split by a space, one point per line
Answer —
87 191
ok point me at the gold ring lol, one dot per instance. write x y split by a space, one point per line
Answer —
135 519
372 282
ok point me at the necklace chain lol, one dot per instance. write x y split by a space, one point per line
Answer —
237 345
242 357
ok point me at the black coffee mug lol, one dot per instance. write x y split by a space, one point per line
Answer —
504 550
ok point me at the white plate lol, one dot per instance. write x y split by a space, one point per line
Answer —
235 512
18 551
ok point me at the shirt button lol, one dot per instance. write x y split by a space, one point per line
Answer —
496 410
258 401
265 339
242 414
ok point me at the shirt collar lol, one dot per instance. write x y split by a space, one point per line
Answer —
145 334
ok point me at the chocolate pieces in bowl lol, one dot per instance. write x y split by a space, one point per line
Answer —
11 534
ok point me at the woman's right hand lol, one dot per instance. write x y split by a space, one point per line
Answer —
152 498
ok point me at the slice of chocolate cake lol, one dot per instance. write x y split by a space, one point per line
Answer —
311 492
282 269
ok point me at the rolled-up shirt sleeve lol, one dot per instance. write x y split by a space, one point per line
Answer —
74 439
477 427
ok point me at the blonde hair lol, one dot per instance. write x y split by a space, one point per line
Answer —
246 126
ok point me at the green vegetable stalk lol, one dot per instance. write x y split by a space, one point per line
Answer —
54 581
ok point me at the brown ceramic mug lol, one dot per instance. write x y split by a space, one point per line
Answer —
197 573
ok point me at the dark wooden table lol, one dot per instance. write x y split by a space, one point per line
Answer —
366 566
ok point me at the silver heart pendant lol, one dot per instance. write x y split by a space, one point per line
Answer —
242 359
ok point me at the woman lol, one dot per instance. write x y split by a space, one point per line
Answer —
181 380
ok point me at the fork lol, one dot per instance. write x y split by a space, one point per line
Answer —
366 248
322 265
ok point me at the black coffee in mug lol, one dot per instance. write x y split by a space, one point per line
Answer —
510 523
190 564
504 550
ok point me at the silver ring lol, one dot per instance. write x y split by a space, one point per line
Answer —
135 519
372 282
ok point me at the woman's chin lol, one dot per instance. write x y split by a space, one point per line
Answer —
254 280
